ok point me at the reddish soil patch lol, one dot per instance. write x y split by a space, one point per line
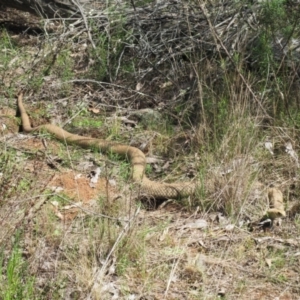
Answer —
36 143
81 190
79 187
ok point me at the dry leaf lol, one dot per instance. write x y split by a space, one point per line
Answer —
85 165
201 243
269 146
166 84
77 176
268 262
153 160
112 182
67 207
138 86
166 165
94 110
56 211
290 151
165 232
229 227
198 224
56 189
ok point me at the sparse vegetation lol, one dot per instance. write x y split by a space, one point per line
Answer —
15 281
204 101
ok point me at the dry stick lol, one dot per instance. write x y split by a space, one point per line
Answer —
102 84
219 41
175 265
85 22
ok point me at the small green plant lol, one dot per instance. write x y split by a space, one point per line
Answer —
297 221
6 175
63 68
7 48
273 13
278 21
62 199
148 169
125 170
15 281
278 259
281 278
114 129
8 59
131 253
36 82
241 286
87 122
201 192
123 264
109 48
142 2
64 65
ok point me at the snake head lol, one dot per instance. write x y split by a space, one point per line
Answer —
275 213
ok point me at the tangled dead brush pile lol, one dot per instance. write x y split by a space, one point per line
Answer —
174 30
170 30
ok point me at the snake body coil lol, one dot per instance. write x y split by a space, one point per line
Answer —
134 155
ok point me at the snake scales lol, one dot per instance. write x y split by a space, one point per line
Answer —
134 155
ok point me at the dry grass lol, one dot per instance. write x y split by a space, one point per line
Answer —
101 242
111 248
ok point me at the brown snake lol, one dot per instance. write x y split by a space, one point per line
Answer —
134 155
